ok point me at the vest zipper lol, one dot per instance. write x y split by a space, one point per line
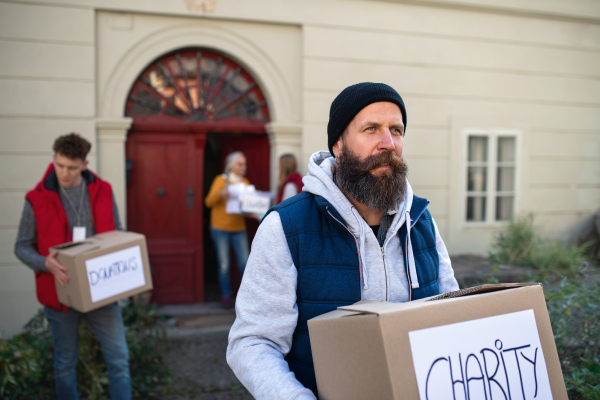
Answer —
357 249
385 273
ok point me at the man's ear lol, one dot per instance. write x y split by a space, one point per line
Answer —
337 147
85 165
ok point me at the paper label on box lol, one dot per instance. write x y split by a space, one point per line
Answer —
115 273
489 358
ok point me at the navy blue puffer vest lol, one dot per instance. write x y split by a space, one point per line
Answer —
326 256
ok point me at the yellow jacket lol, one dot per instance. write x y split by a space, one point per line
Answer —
219 219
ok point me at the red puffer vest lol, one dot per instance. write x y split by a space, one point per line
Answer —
294 178
53 226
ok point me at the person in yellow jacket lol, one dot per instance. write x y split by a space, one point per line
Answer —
228 229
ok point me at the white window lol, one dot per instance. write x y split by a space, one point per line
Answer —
491 174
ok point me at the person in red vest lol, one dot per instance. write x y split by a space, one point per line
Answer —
71 203
290 181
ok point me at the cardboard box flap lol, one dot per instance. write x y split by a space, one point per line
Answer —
69 245
77 248
377 307
337 314
380 307
493 287
118 236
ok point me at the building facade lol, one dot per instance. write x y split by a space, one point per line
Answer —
502 97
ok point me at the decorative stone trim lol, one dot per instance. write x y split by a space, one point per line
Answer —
284 138
111 137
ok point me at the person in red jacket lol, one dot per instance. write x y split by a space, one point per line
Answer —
71 203
290 181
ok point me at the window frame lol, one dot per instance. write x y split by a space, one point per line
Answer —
491 176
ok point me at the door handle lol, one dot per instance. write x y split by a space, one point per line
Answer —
191 196
161 192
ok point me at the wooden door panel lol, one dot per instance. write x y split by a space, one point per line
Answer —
173 277
164 169
173 162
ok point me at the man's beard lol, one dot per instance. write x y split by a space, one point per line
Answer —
383 192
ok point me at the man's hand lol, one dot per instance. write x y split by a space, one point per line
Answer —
53 266
224 193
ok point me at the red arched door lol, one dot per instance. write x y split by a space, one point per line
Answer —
190 109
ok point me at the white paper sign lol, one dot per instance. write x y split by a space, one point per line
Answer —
489 358
232 206
115 273
255 202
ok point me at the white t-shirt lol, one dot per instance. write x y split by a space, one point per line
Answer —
289 190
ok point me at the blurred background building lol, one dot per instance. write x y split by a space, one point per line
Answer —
503 100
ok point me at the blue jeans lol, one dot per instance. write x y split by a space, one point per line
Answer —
107 324
223 240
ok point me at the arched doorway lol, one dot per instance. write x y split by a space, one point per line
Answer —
190 109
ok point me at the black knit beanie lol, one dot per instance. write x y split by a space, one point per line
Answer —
353 99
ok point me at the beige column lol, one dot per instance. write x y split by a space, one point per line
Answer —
111 135
284 138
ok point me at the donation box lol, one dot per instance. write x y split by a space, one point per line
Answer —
102 269
487 342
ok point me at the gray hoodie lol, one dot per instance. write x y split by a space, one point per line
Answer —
266 303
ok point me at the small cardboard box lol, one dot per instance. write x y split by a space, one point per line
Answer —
103 269
487 342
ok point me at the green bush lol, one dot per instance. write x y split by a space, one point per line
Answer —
149 375
574 308
26 370
572 297
26 363
521 244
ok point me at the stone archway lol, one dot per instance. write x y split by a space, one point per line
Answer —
122 64
179 103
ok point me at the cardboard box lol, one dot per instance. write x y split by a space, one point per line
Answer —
488 342
103 269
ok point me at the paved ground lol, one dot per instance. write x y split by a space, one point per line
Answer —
200 371
471 270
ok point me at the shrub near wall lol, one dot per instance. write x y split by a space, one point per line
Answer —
572 290
521 244
26 363
26 360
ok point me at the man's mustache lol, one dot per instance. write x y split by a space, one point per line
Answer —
381 159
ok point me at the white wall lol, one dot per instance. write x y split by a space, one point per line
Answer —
47 89
454 64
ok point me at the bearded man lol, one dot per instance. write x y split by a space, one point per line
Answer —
356 232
